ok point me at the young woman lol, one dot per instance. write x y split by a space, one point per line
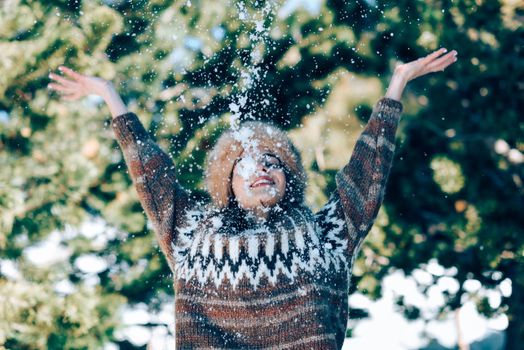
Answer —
255 268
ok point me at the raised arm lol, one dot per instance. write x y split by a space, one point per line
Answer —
352 209
151 169
153 174
362 181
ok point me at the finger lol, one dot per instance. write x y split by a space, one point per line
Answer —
59 87
71 73
442 63
435 54
60 79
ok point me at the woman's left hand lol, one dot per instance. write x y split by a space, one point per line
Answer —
433 62
405 72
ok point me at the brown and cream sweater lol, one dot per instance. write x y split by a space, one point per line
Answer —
281 284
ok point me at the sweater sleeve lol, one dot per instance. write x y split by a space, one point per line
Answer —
153 174
361 183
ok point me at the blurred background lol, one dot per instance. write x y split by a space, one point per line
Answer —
442 268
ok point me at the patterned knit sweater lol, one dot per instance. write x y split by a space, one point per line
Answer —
281 284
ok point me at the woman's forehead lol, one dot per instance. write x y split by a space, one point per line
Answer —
255 151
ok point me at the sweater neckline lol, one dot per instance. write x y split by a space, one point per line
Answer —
240 223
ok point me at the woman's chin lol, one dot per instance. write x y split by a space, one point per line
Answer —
269 201
265 200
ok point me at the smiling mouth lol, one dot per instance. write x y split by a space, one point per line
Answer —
262 182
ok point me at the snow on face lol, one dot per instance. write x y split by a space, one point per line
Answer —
247 167
258 178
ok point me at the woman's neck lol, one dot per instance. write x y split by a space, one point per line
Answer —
260 213
254 217
263 215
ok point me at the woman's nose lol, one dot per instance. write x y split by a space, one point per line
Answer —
262 166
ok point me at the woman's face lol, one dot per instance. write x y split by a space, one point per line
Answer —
258 180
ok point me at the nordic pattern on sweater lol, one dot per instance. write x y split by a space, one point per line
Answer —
282 285
265 251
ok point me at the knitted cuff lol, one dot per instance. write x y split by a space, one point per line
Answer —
389 106
128 128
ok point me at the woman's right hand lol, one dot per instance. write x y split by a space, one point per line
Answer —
79 85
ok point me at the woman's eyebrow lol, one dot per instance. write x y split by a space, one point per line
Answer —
274 156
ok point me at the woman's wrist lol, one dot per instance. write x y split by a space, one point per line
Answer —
396 86
113 100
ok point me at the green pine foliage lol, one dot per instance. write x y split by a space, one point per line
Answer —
455 190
